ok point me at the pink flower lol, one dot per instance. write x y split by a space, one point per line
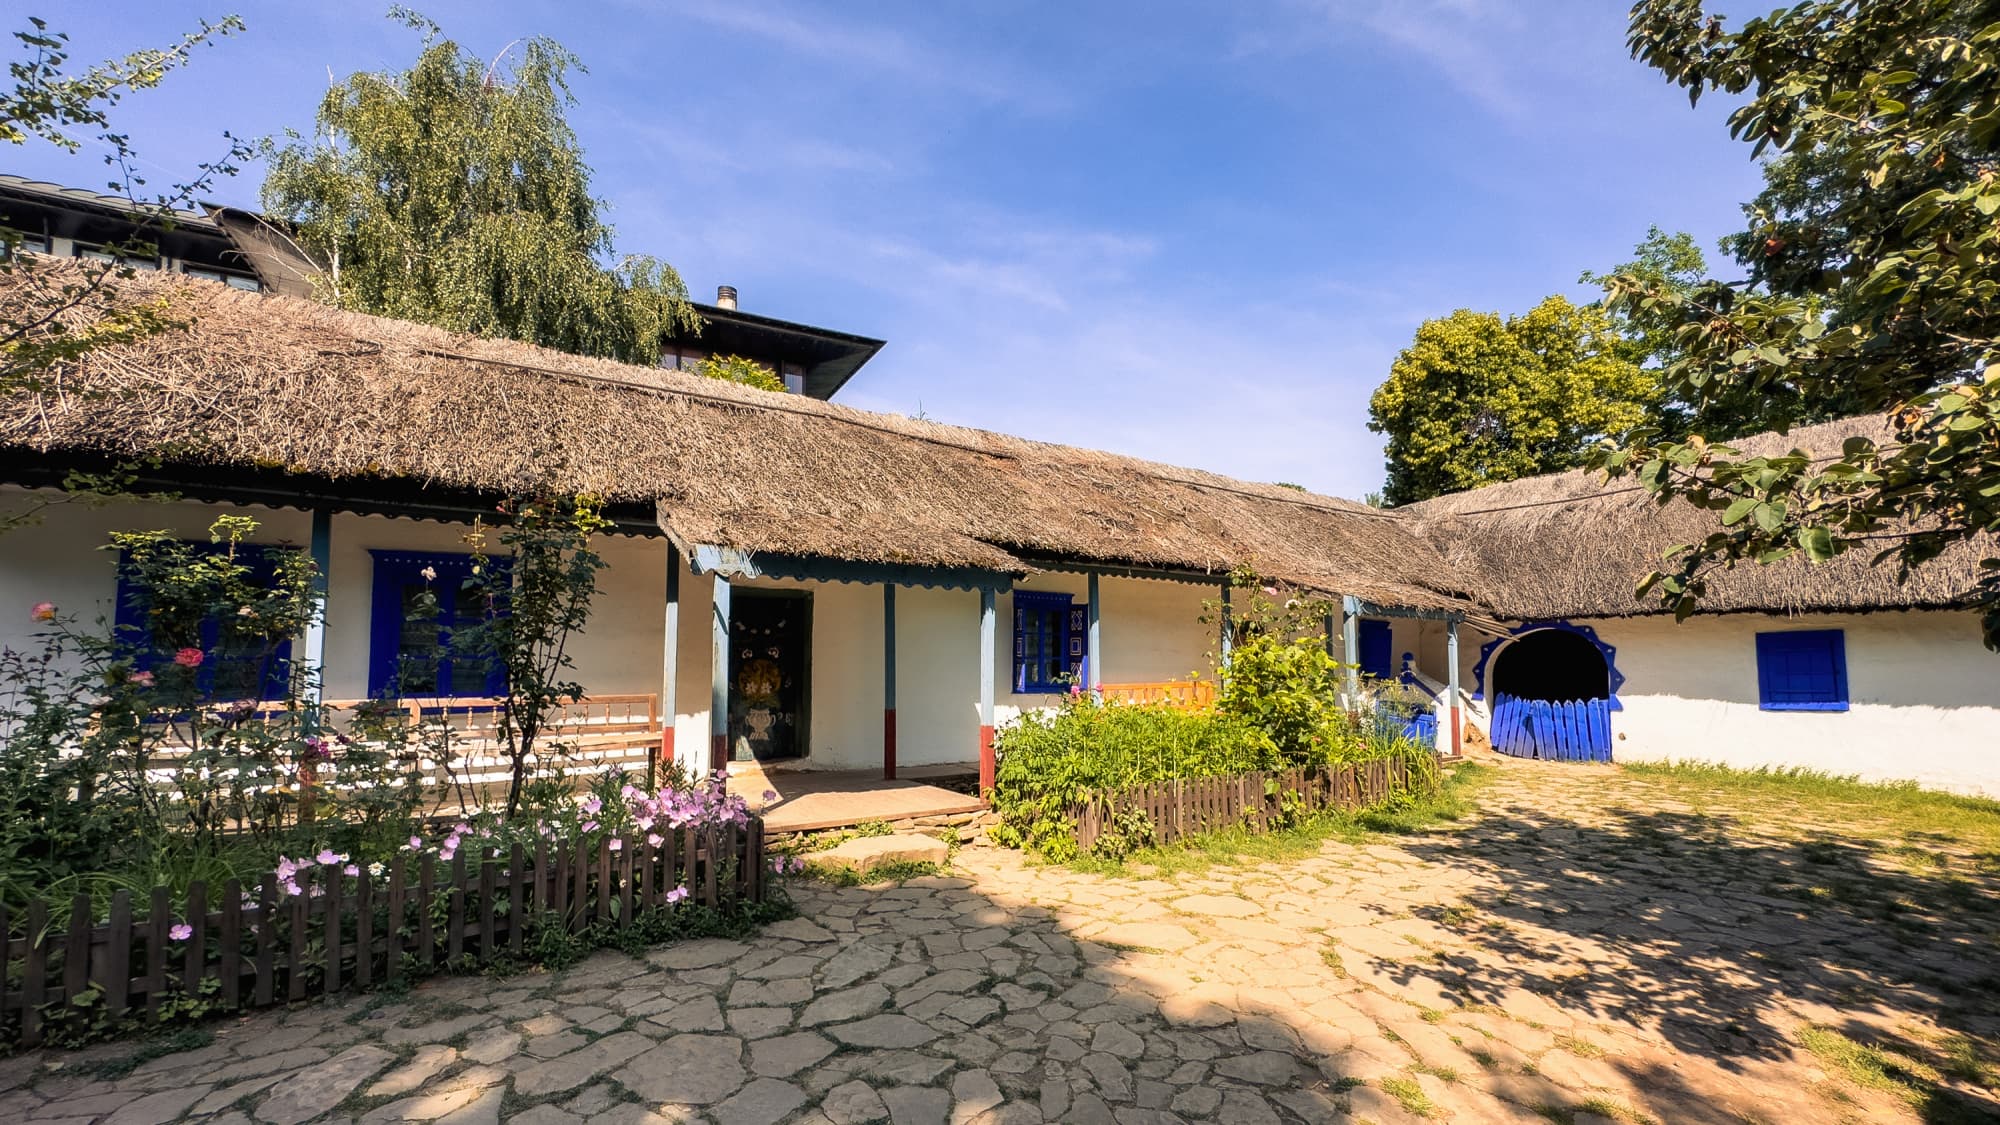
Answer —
181 932
143 679
770 795
326 858
676 895
654 839
350 869
188 658
590 826
43 611
416 843
616 844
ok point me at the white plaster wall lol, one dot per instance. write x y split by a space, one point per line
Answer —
1923 692
1924 698
58 559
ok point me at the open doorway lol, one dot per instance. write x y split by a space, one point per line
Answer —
1552 697
770 671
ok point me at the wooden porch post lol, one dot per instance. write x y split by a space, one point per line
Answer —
987 766
1093 659
888 681
1350 640
313 662
1228 625
670 659
718 691
1451 678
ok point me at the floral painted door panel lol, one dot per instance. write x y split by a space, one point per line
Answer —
769 638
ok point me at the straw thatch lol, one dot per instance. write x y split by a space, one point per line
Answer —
1574 545
275 382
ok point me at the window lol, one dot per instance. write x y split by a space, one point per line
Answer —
410 650
100 254
234 668
795 378
1377 649
1050 636
233 280
1802 671
22 242
678 357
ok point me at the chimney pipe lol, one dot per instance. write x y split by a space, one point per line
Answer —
725 296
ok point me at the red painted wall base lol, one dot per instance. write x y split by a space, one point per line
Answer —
987 766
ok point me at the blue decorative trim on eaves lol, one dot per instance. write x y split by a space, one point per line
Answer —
731 562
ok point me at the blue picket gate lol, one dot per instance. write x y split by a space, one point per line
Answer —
1577 730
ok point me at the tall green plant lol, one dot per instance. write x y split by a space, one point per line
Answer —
533 605
456 194
1874 260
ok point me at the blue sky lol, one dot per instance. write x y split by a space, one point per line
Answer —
1193 232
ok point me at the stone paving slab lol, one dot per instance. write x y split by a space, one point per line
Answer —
1582 952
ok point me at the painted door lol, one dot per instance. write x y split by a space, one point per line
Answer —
770 634
1376 658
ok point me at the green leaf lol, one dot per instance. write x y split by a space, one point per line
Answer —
1738 511
1817 543
1770 517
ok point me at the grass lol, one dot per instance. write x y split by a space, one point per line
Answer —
896 871
1411 1095
159 1046
1903 805
1897 1071
1241 847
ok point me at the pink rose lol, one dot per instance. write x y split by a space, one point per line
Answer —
143 679
44 611
188 658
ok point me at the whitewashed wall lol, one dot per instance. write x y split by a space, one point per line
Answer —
1924 695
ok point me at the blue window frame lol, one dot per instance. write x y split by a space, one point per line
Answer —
1376 649
228 673
1805 670
1051 636
410 651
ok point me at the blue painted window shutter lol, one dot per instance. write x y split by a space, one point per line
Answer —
1805 670
1376 648
1051 639
224 677
410 653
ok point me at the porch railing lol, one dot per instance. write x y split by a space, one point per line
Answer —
594 735
1191 695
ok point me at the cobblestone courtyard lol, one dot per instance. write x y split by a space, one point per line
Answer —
1591 946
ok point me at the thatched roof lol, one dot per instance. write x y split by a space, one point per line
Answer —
1574 545
276 382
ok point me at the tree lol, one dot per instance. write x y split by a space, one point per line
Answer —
43 103
1478 399
456 194
1875 264
1671 261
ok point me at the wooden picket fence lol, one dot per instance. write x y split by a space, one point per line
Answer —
1190 807
257 950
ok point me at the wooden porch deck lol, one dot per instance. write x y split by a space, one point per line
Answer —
811 800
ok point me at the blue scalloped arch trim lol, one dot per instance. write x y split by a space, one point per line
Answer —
1488 650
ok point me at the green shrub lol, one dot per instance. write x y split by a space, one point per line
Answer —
1290 689
1047 760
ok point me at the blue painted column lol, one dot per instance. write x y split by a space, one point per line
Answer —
670 659
889 681
1350 640
718 692
1451 678
1093 659
312 665
987 765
